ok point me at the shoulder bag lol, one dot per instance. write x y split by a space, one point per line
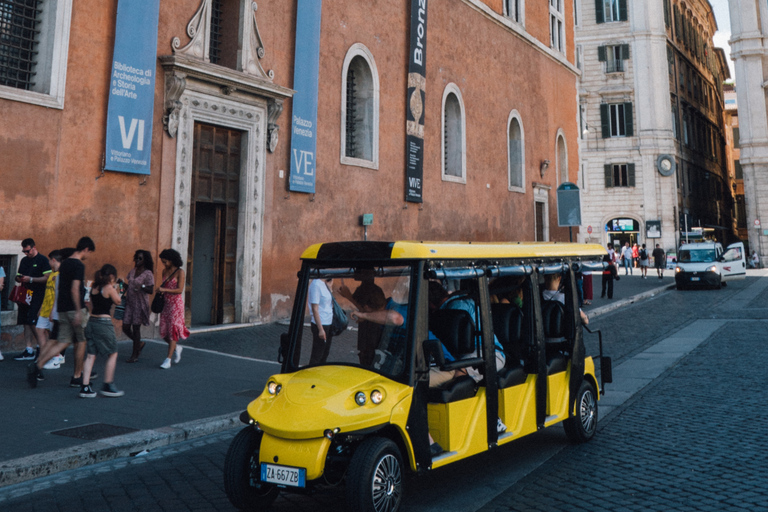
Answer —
158 303
21 295
340 320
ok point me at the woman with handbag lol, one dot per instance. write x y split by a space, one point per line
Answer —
172 326
140 285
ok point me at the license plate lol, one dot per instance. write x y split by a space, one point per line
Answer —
695 279
283 475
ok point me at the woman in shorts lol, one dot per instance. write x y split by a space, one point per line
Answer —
100 333
643 254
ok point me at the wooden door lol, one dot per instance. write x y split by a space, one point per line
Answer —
216 192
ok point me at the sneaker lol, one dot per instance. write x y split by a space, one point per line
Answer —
39 375
177 354
76 382
32 375
87 391
500 426
37 352
61 359
27 355
166 364
53 364
110 390
94 376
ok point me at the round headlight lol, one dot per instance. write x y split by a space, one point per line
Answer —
678 269
273 388
713 268
360 398
376 396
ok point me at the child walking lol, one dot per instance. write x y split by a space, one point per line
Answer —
100 333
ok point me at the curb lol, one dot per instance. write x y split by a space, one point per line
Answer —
602 310
44 464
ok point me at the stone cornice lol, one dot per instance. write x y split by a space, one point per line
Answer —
228 79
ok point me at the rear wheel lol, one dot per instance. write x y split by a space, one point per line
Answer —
242 473
582 427
375 477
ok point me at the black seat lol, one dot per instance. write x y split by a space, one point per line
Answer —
508 328
553 318
455 329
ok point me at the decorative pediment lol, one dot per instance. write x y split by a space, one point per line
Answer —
250 45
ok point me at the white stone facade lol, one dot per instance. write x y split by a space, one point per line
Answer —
749 28
626 62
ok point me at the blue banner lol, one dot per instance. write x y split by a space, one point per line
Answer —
305 79
132 87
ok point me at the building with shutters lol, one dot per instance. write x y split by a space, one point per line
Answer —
652 143
496 143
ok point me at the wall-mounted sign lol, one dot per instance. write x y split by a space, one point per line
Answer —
568 205
622 225
132 87
306 70
653 229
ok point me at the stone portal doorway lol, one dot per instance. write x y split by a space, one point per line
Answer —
213 222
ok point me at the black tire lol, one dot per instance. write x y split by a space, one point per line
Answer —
582 427
242 473
375 479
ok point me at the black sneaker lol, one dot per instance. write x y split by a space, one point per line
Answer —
94 375
37 353
87 392
76 382
39 375
27 355
32 375
109 389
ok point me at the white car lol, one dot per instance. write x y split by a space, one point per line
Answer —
707 264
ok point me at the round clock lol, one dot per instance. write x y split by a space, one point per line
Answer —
666 165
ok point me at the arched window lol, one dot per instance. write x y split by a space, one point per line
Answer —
562 159
454 137
360 109
516 153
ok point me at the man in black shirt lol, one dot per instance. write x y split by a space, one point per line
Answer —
34 271
71 308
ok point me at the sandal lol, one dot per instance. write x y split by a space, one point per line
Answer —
587 302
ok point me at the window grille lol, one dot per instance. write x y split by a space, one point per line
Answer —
351 145
214 50
19 33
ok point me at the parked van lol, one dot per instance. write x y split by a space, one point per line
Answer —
362 414
706 264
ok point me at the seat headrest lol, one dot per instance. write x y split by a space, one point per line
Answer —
552 314
455 329
508 327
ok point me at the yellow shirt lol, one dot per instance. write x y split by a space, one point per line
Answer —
50 295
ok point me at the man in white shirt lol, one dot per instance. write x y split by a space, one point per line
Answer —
626 259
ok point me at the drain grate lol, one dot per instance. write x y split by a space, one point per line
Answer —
249 393
94 431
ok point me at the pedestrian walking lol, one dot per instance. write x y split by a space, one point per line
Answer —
172 325
609 274
754 260
33 272
140 284
627 259
100 333
635 254
48 321
659 261
70 305
643 254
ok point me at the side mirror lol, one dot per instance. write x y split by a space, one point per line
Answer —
433 351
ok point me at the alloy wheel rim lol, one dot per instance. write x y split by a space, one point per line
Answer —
588 412
387 484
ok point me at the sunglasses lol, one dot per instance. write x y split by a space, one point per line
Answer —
27 251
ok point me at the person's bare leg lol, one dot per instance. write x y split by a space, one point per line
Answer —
109 369
79 358
87 367
42 338
171 347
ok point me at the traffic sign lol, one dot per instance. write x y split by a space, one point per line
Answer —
589 229
757 223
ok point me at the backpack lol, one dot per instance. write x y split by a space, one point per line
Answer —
643 254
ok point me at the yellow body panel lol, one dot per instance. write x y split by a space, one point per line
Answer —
304 453
557 396
317 399
466 250
517 409
459 427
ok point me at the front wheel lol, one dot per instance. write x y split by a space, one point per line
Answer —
375 477
582 427
242 473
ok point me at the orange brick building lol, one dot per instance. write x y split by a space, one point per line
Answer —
500 134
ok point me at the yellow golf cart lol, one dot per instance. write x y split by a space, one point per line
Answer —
363 411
